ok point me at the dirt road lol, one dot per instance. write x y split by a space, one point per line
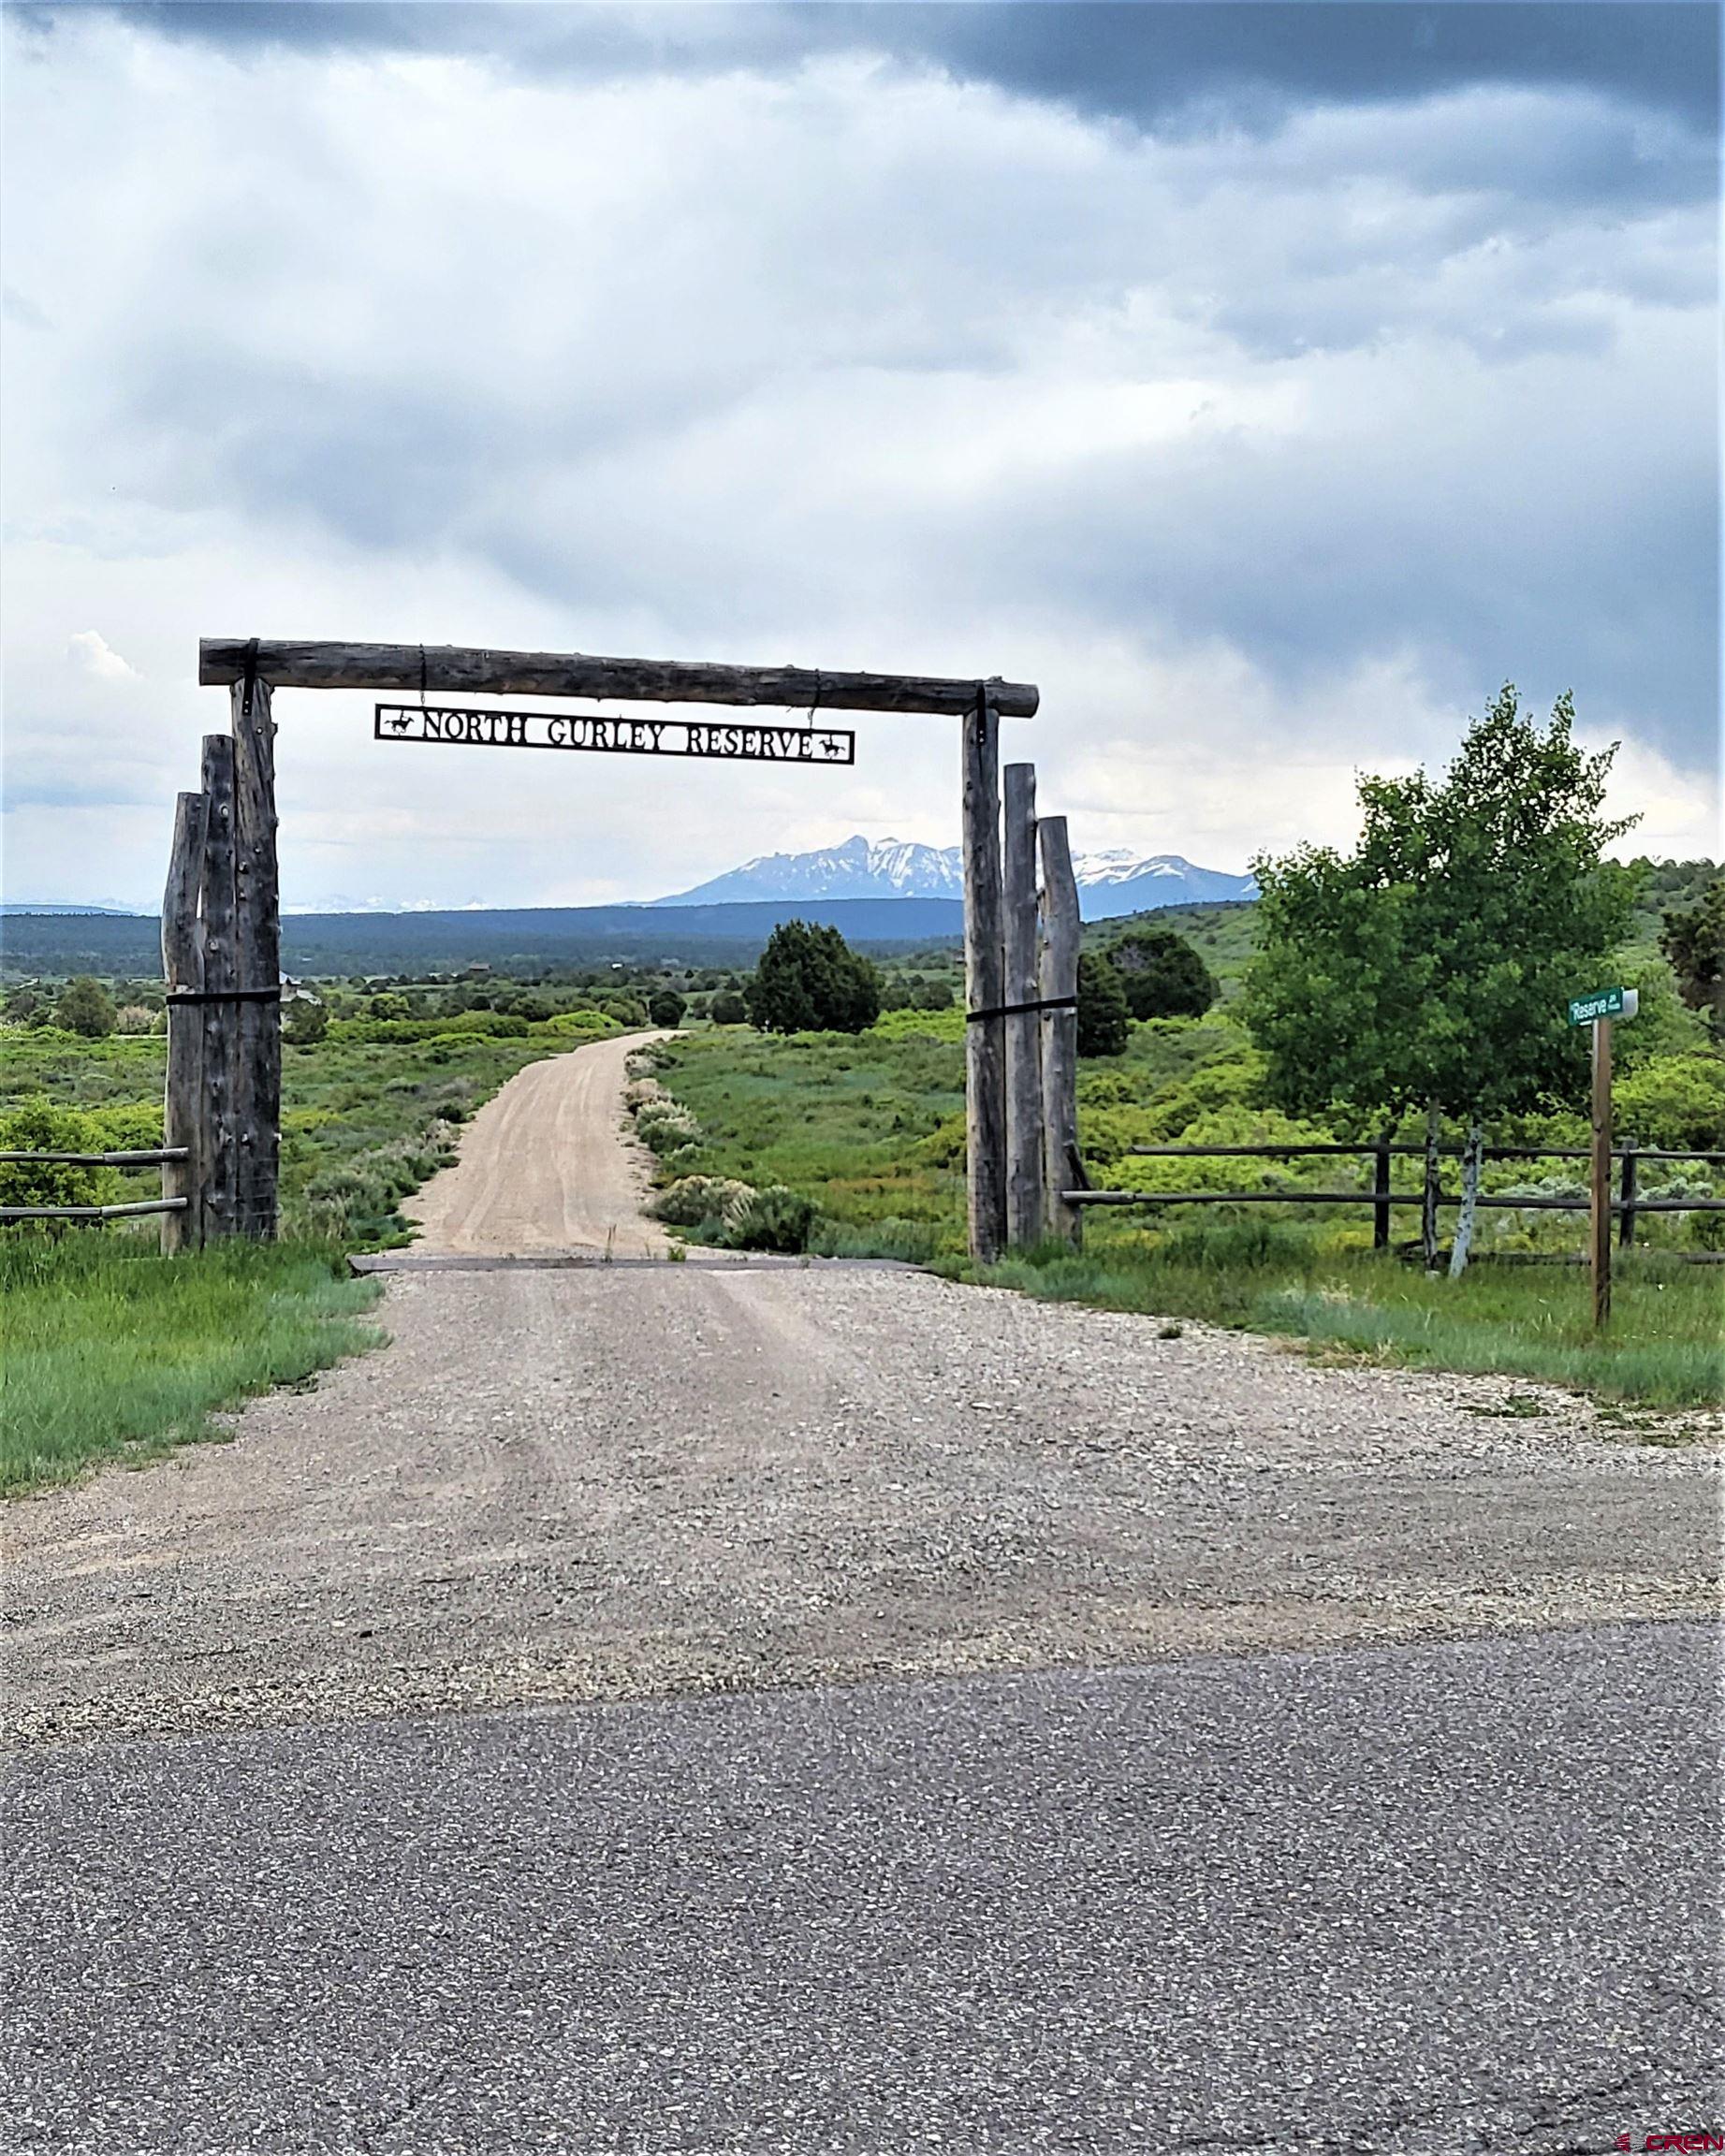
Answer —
545 1167
641 1478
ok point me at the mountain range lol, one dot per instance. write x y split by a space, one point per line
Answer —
1110 884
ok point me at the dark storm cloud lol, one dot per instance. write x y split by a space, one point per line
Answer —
1146 63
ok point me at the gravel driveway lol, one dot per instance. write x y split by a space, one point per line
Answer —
604 1481
645 1478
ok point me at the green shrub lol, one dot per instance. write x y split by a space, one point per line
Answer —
1675 1100
694 1200
775 1218
85 1007
39 1127
665 1125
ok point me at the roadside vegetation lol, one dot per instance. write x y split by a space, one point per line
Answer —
1412 989
114 1352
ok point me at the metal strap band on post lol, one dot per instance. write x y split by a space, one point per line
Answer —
223 996
1016 1010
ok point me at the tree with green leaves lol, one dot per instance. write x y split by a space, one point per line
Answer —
86 1007
810 981
666 1007
1162 974
1105 1021
1693 941
1432 964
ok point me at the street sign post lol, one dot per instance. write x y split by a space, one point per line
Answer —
1598 1011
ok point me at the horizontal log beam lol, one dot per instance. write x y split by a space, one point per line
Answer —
448 668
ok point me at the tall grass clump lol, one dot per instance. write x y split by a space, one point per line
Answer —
114 1352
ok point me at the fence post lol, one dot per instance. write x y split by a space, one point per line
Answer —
1024 1108
1380 1194
1626 1224
1428 1200
183 968
984 1060
219 1186
1058 977
257 1031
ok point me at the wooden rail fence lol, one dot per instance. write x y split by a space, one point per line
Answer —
1627 1204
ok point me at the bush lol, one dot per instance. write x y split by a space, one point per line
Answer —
694 1200
39 1127
810 981
771 1219
85 1007
304 1023
1103 1019
1675 1100
1162 975
666 1007
665 1124
728 1009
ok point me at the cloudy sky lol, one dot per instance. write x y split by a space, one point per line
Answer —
1266 383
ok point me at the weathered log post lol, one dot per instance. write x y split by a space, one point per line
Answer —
257 1076
1025 1222
1058 982
183 972
985 1073
219 1182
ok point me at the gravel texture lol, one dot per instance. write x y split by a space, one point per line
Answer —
1434 1900
596 1482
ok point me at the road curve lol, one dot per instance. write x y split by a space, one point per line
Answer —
545 1167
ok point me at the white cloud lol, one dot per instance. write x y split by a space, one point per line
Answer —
91 654
1267 457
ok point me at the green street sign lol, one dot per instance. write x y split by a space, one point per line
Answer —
1603 1004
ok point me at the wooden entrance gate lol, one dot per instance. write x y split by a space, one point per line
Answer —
221 917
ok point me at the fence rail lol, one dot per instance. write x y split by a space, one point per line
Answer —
151 1158
1628 1206
92 1212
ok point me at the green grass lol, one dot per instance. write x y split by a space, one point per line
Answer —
870 1127
114 1352
1662 1350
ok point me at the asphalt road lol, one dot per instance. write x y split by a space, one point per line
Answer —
1440 1898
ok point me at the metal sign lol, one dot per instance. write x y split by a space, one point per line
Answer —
723 740
1603 1004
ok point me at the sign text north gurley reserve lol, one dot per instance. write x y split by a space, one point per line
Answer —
724 738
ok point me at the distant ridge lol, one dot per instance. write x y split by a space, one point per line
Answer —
1109 884
518 937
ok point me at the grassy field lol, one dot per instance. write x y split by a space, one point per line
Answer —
116 1353
872 1128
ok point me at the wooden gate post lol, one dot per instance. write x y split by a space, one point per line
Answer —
182 969
1058 979
219 1192
257 1074
985 1074
1025 1223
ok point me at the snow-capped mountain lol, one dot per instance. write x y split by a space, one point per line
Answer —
859 868
1109 884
